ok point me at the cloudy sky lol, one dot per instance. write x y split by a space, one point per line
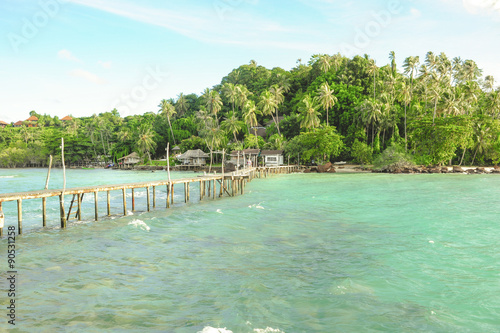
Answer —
82 57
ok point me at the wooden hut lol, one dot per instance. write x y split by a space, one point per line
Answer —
272 157
3 124
193 157
130 159
238 157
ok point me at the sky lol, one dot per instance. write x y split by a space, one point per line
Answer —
85 57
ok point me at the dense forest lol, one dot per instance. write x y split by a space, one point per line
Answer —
434 111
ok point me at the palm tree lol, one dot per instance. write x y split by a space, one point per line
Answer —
326 98
231 93
372 69
242 94
145 142
267 104
482 133
182 105
250 115
370 114
213 102
392 57
232 125
168 110
277 92
309 114
405 97
489 83
324 62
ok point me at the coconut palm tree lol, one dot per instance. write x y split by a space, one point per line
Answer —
370 113
267 104
230 92
489 83
392 57
213 102
182 105
482 136
168 110
324 62
242 94
279 98
373 69
250 112
405 97
232 125
326 98
309 115
145 142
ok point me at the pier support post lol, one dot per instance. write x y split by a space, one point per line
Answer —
214 188
168 195
44 212
172 194
154 196
124 192
95 204
79 209
201 190
147 200
187 190
133 200
108 202
185 193
61 209
20 216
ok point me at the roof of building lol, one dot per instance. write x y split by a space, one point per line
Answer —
66 118
271 152
3 122
32 118
270 122
18 123
244 151
198 153
176 148
133 155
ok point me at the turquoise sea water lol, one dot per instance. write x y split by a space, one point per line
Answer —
296 253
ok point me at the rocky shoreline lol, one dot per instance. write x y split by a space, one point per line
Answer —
330 168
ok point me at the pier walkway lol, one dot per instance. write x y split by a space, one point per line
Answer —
212 185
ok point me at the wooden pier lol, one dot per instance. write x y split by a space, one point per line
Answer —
230 184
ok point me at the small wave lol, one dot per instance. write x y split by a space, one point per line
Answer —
140 224
7 176
258 206
267 330
129 213
209 329
219 211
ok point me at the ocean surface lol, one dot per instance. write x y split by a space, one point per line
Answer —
296 253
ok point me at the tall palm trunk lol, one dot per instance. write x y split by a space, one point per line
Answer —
406 140
171 131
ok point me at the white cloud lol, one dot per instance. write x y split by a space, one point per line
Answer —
91 77
67 55
105 64
482 6
415 13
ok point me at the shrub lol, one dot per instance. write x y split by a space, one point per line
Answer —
393 158
361 152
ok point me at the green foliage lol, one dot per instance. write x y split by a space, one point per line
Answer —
361 152
192 143
319 145
393 158
253 141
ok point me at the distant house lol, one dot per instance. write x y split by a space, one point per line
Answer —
67 118
130 159
32 121
3 124
193 157
271 122
18 123
176 150
272 157
258 130
239 157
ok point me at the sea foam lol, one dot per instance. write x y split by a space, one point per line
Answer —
140 224
209 329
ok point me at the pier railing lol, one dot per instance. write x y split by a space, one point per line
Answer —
229 184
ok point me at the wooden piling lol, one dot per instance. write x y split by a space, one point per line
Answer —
133 200
95 205
147 195
154 196
124 192
185 193
168 194
108 202
79 212
214 188
44 212
188 190
20 216
172 194
61 209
